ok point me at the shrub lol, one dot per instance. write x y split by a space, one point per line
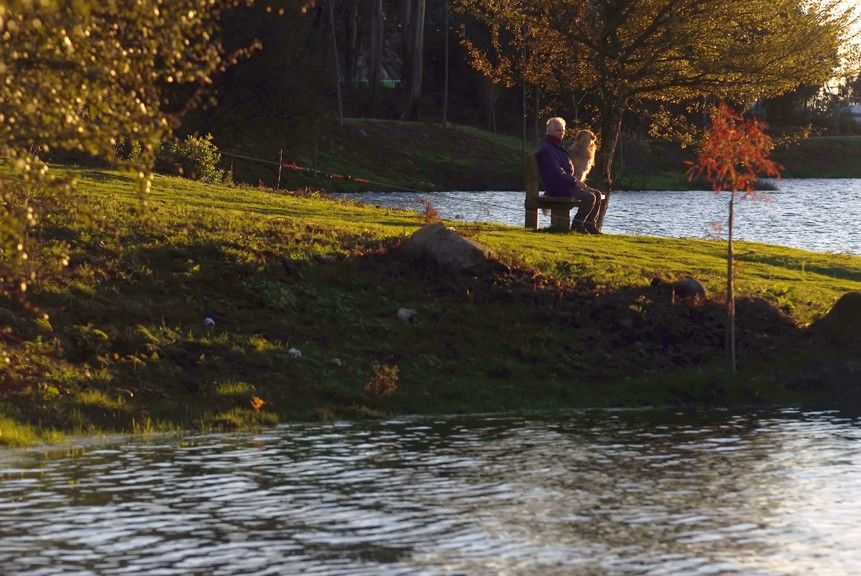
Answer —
431 216
383 382
195 157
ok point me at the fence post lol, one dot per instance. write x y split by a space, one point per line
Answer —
280 161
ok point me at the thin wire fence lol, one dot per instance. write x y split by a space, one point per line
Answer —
348 178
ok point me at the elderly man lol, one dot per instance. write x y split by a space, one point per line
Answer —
557 173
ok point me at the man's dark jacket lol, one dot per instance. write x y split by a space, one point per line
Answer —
554 167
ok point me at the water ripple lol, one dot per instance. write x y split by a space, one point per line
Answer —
621 493
788 219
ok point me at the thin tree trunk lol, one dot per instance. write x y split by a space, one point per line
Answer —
493 113
537 111
416 55
445 72
611 127
490 93
523 98
331 10
375 50
351 42
730 289
523 141
407 16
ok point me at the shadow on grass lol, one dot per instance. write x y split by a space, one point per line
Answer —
305 336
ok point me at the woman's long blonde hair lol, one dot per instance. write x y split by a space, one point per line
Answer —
583 152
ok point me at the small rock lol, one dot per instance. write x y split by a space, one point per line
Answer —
688 288
294 353
208 322
407 315
336 362
290 267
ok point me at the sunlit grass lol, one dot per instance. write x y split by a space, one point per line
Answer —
611 261
13 433
234 389
304 290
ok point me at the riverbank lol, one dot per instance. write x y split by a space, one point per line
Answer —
303 293
425 157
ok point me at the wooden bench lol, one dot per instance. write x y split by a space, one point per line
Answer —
560 206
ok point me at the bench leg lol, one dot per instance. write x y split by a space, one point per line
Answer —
532 218
560 218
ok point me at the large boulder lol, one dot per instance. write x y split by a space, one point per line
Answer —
842 324
446 248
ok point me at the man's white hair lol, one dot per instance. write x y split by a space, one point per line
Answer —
556 121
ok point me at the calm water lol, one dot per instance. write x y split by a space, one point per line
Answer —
814 214
599 493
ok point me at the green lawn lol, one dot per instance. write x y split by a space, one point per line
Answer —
564 320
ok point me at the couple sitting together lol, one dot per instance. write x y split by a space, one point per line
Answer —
563 171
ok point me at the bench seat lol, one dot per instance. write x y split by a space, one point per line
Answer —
560 210
560 206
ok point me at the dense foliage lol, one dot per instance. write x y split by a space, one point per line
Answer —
195 157
81 76
627 53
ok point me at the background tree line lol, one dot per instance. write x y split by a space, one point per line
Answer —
495 63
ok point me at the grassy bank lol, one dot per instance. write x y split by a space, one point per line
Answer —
562 321
822 157
410 155
430 157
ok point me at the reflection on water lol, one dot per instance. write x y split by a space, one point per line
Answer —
814 214
629 492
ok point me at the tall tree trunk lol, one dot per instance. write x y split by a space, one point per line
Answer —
491 96
375 50
576 103
523 97
407 29
351 42
523 109
445 74
611 126
416 55
331 10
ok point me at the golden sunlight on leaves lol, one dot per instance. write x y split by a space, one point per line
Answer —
735 151
383 382
257 403
86 76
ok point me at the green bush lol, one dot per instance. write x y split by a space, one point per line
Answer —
195 157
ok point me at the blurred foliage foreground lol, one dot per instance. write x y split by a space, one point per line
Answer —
224 306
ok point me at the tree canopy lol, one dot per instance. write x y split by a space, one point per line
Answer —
82 75
630 51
